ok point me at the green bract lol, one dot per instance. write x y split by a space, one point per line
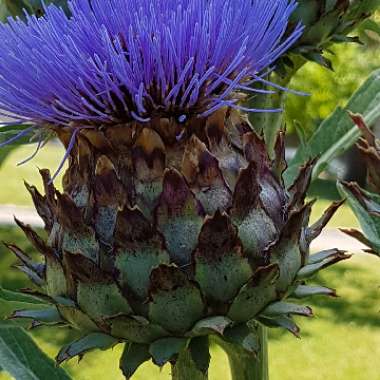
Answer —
327 22
161 241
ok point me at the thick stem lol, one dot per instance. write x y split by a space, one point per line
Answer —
185 368
245 366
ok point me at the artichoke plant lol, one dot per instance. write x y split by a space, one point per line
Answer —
365 203
327 22
174 224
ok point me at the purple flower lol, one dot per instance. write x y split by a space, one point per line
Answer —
120 60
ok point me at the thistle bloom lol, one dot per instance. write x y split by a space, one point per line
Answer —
174 222
121 60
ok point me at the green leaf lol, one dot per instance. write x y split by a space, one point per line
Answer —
213 272
8 295
303 291
319 261
133 356
284 322
370 25
166 349
337 133
277 309
22 358
199 350
11 301
86 344
8 132
369 222
16 7
256 294
101 300
211 325
48 315
135 329
4 12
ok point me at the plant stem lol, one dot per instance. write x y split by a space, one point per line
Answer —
246 366
185 368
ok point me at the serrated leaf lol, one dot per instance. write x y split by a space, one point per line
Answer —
321 256
337 133
319 59
87 343
277 309
283 322
303 291
48 315
22 358
320 261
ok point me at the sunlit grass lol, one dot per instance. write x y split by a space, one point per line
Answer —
12 176
344 217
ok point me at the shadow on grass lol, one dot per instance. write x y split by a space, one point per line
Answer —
358 289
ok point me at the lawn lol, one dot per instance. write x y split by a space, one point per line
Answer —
12 175
342 341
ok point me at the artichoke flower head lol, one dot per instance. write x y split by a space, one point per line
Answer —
173 224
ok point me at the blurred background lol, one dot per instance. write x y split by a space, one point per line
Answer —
342 341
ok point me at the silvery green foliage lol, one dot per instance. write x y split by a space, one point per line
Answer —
366 203
327 22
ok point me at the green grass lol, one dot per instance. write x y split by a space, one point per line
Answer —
12 176
341 342
344 217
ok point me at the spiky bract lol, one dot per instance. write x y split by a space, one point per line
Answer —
327 22
158 238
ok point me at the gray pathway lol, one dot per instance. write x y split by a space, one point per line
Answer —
330 238
26 214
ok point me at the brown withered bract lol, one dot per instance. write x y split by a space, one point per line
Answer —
366 202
